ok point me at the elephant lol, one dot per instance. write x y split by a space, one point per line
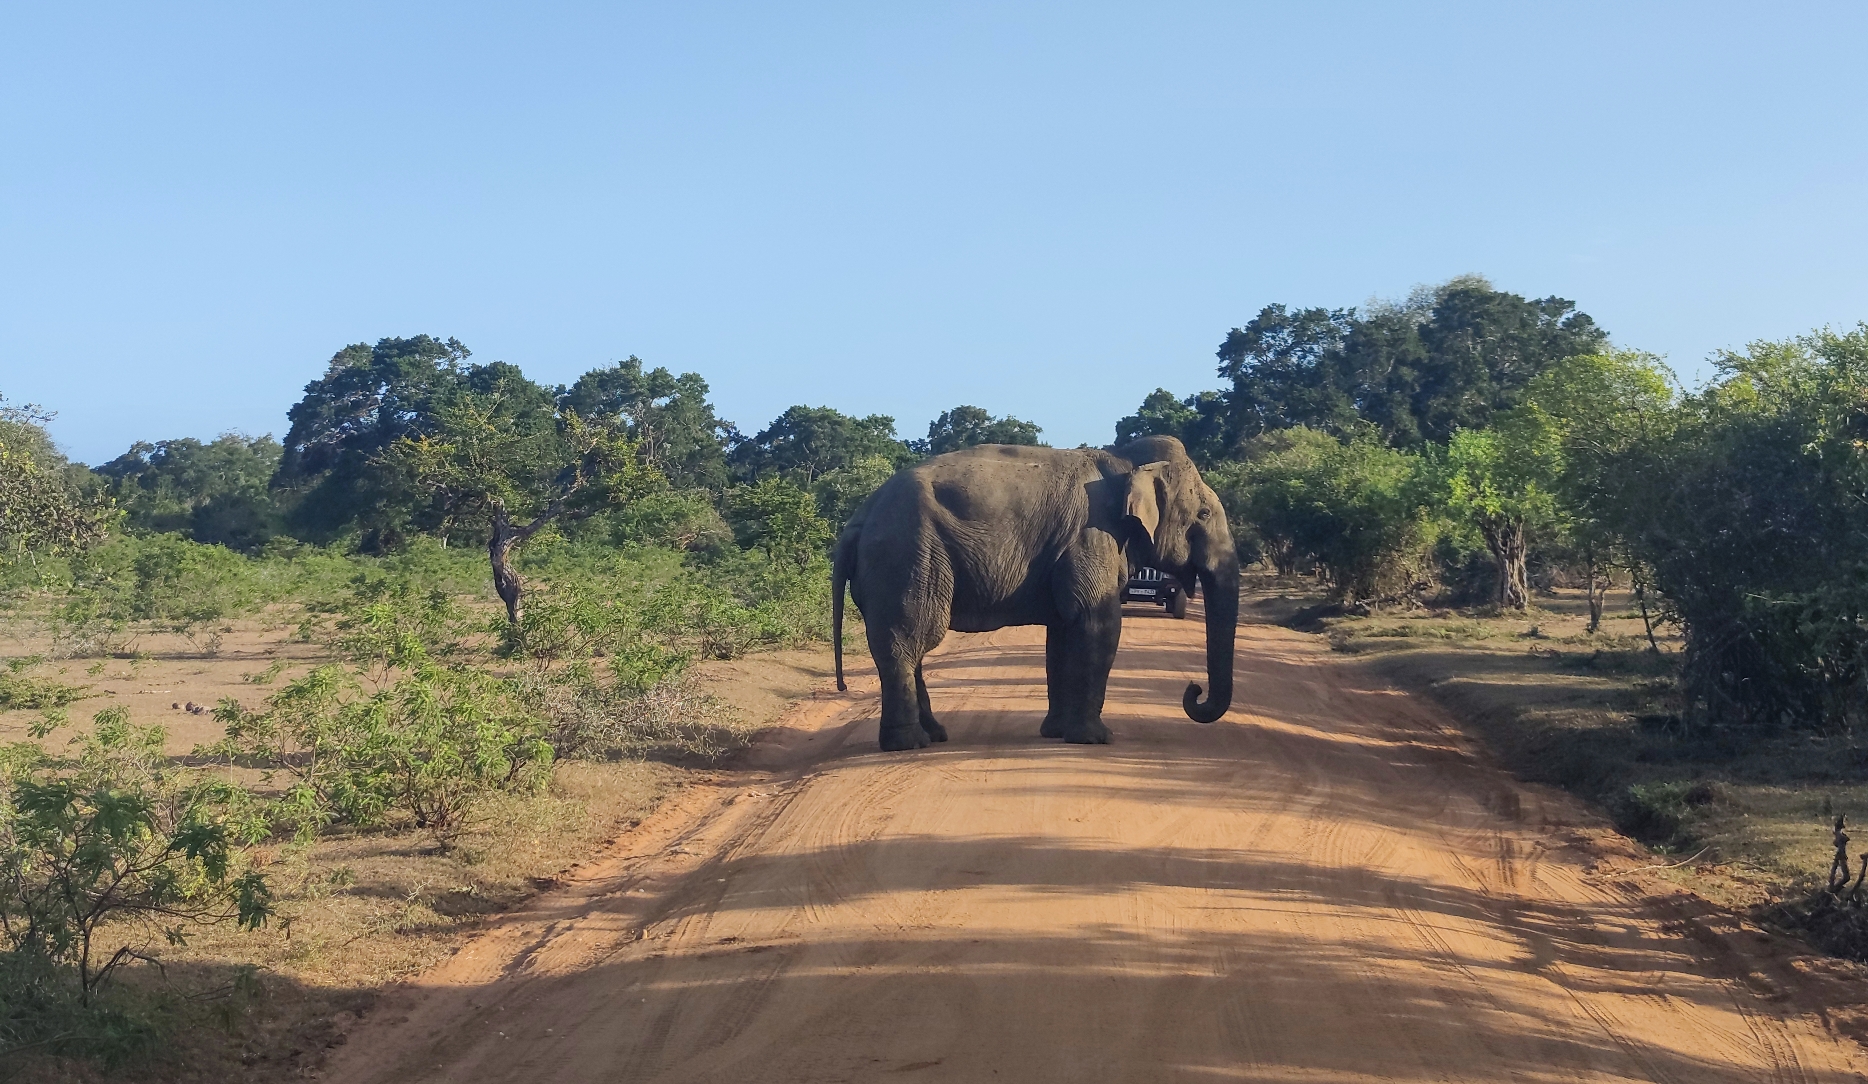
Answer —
997 535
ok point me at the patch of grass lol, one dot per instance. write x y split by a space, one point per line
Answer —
36 694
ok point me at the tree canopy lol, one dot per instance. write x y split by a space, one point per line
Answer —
966 426
1448 358
668 416
805 442
42 507
368 398
216 491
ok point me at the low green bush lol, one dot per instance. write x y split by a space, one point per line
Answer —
37 694
103 851
1662 813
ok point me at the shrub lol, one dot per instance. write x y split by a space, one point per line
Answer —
19 691
109 845
1661 813
397 731
1355 510
1749 512
163 582
432 743
780 519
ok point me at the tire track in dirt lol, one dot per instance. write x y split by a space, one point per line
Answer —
1330 885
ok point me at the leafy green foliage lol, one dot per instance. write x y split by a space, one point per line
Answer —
493 456
1605 411
1750 504
496 463
215 492
1503 481
780 519
842 491
104 846
1357 511
805 442
678 519
36 694
1199 422
1448 358
41 510
1287 370
667 416
397 732
162 582
966 426
333 464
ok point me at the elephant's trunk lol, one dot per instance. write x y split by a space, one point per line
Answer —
1220 585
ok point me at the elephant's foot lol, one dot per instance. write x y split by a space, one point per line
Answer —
1089 732
935 731
1052 727
913 737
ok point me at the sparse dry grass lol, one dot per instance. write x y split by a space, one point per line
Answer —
1595 714
358 911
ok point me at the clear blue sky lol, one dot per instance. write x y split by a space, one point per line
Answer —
1046 210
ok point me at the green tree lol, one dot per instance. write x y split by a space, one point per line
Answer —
495 462
1447 358
1482 349
1503 481
1199 422
41 509
333 463
216 491
805 442
966 426
668 416
1751 509
1608 411
1285 371
779 518
842 491
1356 510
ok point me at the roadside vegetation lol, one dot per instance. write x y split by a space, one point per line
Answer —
1650 595
283 720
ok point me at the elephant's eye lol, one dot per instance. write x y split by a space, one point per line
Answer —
1206 513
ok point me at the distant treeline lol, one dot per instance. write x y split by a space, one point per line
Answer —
338 475
1468 445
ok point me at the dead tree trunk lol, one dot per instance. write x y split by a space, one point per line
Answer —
505 538
1505 538
506 578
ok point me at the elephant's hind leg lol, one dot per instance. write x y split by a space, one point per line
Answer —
935 731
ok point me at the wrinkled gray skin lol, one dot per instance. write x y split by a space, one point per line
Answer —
1001 535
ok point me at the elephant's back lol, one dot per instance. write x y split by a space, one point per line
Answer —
999 484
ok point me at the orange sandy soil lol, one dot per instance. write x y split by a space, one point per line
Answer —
1331 884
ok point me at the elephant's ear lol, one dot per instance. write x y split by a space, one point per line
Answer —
1144 497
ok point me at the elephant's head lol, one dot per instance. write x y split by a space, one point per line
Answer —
1182 530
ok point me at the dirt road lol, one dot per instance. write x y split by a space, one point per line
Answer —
1325 886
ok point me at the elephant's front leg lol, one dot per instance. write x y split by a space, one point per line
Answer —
931 725
1079 680
1053 725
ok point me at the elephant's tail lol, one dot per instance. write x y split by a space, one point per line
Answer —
842 564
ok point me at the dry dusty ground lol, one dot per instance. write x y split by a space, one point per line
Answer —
1329 885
